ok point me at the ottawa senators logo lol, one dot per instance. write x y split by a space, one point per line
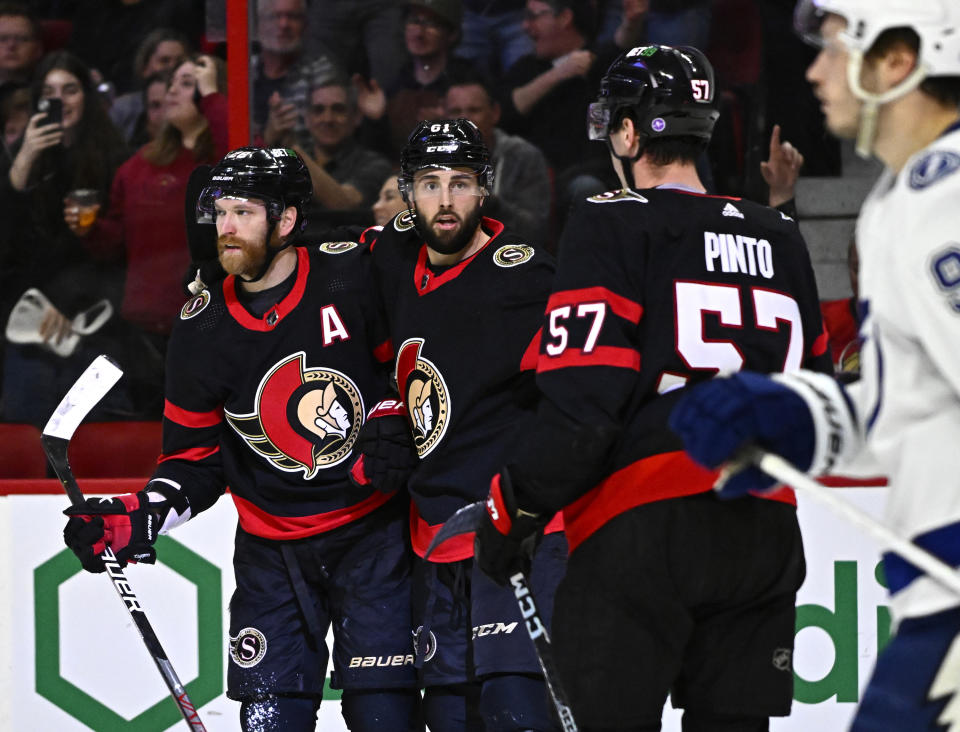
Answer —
426 395
303 419
403 220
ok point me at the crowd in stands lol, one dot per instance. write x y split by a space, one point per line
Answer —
142 93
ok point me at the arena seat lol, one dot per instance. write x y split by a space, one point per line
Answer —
21 455
115 449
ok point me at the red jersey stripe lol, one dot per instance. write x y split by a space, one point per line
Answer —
529 360
194 454
655 478
254 520
820 345
456 547
626 358
621 306
195 420
384 352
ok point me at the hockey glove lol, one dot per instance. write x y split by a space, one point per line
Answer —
385 448
718 417
128 524
507 536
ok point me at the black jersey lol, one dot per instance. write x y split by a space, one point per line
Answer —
656 289
271 406
466 340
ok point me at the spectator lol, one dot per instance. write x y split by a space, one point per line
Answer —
493 35
126 23
161 50
679 22
38 248
14 115
521 195
145 221
431 29
389 202
547 93
153 116
632 30
281 72
345 175
364 35
20 42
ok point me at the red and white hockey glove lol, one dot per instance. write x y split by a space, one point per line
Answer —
386 455
508 535
128 524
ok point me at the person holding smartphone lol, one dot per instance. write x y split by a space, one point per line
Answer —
81 150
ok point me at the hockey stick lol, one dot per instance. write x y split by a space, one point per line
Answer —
783 471
89 389
467 519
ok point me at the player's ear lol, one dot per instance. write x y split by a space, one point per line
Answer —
288 220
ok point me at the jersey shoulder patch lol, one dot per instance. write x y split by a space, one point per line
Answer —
934 166
624 194
945 268
337 247
510 255
403 221
195 305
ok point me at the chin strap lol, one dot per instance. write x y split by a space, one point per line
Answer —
271 252
867 129
627 161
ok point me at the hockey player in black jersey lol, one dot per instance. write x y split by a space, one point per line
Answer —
269 375
668 588
465 300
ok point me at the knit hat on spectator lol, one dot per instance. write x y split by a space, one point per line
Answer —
450 11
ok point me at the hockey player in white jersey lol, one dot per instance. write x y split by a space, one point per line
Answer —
888 74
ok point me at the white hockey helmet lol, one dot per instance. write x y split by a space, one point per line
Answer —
936 23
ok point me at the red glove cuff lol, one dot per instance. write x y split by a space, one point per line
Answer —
497 509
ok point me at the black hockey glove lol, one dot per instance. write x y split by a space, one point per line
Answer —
508 535
385 448
128 524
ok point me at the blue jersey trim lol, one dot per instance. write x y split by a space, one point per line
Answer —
942 542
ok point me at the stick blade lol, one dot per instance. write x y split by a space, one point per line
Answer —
465 520
87 391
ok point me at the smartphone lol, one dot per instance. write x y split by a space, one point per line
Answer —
53 108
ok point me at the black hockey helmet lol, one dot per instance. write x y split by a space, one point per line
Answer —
276 176
445 143
669 92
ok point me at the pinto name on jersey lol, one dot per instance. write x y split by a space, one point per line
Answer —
737 253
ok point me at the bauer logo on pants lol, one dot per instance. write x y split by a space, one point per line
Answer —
248 648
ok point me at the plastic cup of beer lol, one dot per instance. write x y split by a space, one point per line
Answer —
87 202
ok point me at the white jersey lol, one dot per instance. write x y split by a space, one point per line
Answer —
903 416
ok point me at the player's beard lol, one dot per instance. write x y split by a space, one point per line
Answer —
451 242
246 261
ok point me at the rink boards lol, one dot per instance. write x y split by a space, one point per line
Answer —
74 660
